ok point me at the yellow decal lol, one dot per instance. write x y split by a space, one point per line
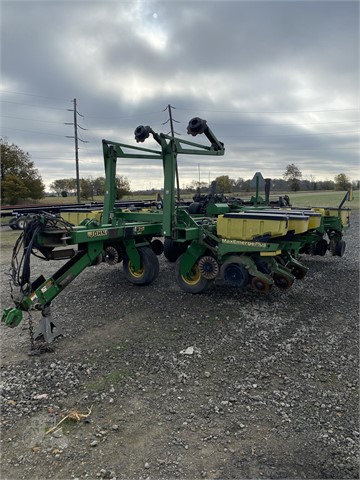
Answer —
97 233
270 254
246 244
139 229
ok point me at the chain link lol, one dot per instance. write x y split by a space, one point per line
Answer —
31 332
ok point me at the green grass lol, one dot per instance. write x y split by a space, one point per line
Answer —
8 238
328 198
319 199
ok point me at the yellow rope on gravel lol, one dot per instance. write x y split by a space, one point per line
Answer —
75 415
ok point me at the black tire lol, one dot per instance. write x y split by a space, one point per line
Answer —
260 285
282 282
21 223
236 275
149 267
298 273
340 248
321 247
194 208
157 246
332 246
173 250
192 283
12 224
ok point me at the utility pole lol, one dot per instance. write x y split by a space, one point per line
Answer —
76 126
172 131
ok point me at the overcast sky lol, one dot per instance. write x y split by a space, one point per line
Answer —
277 82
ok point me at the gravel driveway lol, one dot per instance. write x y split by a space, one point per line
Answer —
228 384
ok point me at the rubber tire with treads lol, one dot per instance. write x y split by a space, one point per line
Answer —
340 248
320 248
149 267
21 223
195 283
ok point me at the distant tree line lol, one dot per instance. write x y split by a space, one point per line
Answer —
292 180
90 188
21 181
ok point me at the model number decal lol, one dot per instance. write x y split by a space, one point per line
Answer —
246 244
97 233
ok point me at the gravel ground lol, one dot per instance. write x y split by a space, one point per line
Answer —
228 384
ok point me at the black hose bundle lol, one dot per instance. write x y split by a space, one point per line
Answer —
20 271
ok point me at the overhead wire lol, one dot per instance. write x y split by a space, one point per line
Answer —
289 134
34 95
31 119
272 111
32 105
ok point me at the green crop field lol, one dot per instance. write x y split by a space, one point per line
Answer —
319 199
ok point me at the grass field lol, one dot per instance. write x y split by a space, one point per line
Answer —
305 199
318 198
327 198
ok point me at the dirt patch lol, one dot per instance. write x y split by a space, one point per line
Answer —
270 388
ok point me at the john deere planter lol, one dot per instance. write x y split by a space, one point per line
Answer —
244 245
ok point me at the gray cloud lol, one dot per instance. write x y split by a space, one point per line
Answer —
278 82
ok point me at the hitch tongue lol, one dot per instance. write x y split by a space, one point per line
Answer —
11 317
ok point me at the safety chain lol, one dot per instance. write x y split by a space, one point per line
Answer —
31 332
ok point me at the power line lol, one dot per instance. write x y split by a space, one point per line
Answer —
34 95
30 119
282 124
32 105
125 116
32 131
274 111
292 148
289 134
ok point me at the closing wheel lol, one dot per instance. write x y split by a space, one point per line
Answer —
208 266
193 281
340 248
298 273
148 271
112 255
283 282
260 285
